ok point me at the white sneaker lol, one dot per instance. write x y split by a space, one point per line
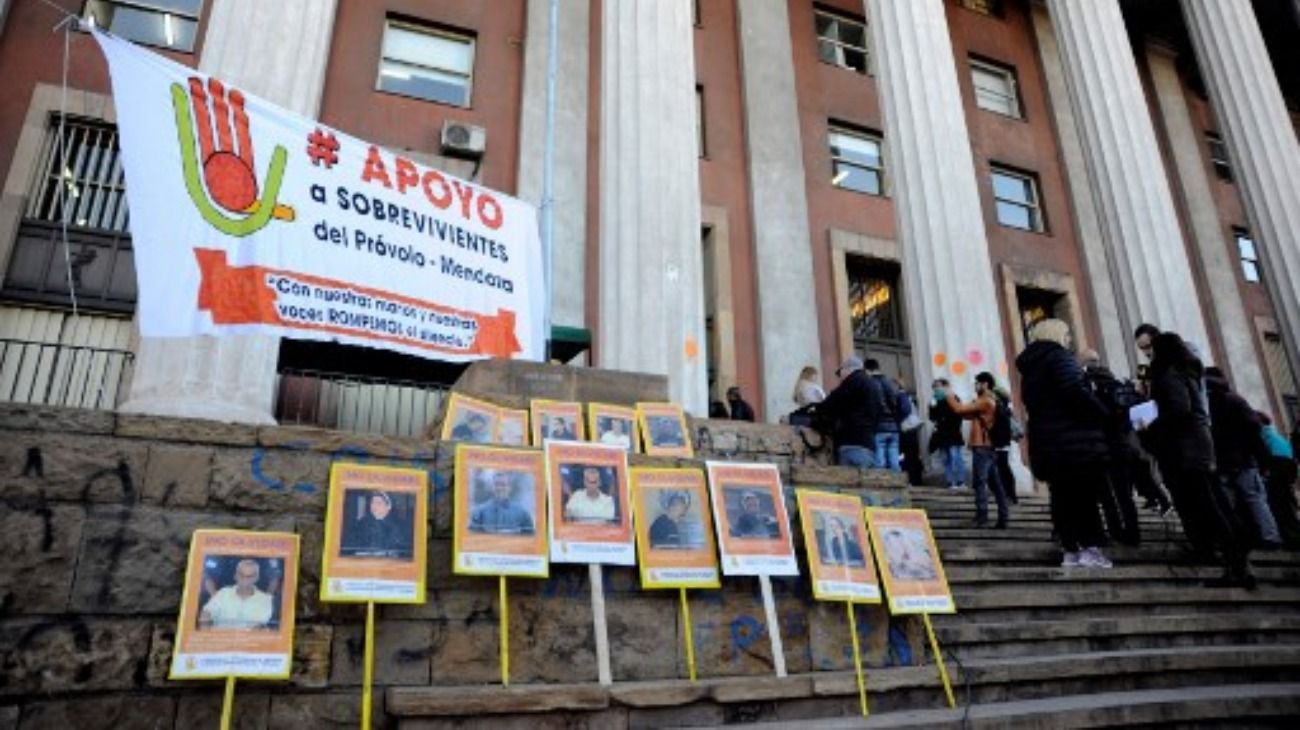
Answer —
1071 560
1092 558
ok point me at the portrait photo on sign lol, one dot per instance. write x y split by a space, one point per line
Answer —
838 549
663 429
377 524
674 528
237 607
500 512
240 592
512 427
910 566
556 421
750 518
907 554
589 504
613 425
751 513
469 419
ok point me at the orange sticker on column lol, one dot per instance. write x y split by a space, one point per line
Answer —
692 348
940 359
958 367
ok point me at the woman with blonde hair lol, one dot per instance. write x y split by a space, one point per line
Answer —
807 391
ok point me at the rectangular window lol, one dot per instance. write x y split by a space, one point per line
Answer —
875 309
983 7
1219 156
700 147
841 40
1246 250
857 161
995 88
163 23
79 180
1016 198
426 63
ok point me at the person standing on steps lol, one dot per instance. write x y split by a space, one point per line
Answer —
1239 451
740 409
886 403
983 412
947 438
1116 492
851 408
909 436
1067 442
1184 448
1006 433
1280 470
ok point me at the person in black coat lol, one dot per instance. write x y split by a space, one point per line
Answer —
1116 493
1067 441
1239 453
852 408
1184 449
740 409
947 438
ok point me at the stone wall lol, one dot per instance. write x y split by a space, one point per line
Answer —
96 511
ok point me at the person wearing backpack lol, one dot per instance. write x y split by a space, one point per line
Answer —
984 474
1116 492
1006 431
887 417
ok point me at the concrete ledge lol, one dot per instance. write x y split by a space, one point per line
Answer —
494 700
20 417
196 430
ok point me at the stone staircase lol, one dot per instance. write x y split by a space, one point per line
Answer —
1143 644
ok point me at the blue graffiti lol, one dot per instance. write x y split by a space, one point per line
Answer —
745 632
900 649
261 477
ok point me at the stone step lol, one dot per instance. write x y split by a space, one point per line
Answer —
1073 596
989 552
967 574
1231 703
1018 533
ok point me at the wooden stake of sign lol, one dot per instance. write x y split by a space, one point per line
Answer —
690 643
857 657
773 626
228 704
505 636
368 671
938 659
597 578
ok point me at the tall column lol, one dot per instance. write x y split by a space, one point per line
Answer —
1261 144
651 259
278 51
570 204
1116 345
1128 179
1218 264
951 301
787 310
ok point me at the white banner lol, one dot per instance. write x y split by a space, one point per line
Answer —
248 218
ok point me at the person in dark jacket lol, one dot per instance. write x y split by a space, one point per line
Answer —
885 426
1239 451
851 407
1280 470
909 439
740 410
947 438
1115 492
1184 449
1067 441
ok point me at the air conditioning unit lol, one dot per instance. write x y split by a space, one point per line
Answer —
463 140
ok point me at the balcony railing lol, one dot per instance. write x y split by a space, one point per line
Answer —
360 404
53 374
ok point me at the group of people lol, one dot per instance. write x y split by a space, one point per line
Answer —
1094 439
1178 435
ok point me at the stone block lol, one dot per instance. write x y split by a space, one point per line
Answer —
71 467
731 633
561 382
644 639
270 480
24 417
551 639
72 654
110 712
344 444
177 476
311 655
38 555
466 652
188 430
697 715
132 560
469 702
162 639
402 653
575 720
252 709
318 711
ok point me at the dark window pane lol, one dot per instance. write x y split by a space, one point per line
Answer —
856 60
874 306
826 52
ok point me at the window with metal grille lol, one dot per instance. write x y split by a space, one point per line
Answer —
1246 250
426 62
995 87
79 180
1016 199
875 310
1219 156
165 23
857 162
842 40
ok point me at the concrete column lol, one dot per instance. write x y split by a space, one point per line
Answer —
1261 144
952 306
567 297
278 51
1116 345
787 310
651 258
1218 264
1148 258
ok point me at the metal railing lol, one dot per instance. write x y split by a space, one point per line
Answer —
357 403
54 374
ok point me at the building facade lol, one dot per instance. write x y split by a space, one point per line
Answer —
742 187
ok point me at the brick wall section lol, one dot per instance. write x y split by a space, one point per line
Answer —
96 511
